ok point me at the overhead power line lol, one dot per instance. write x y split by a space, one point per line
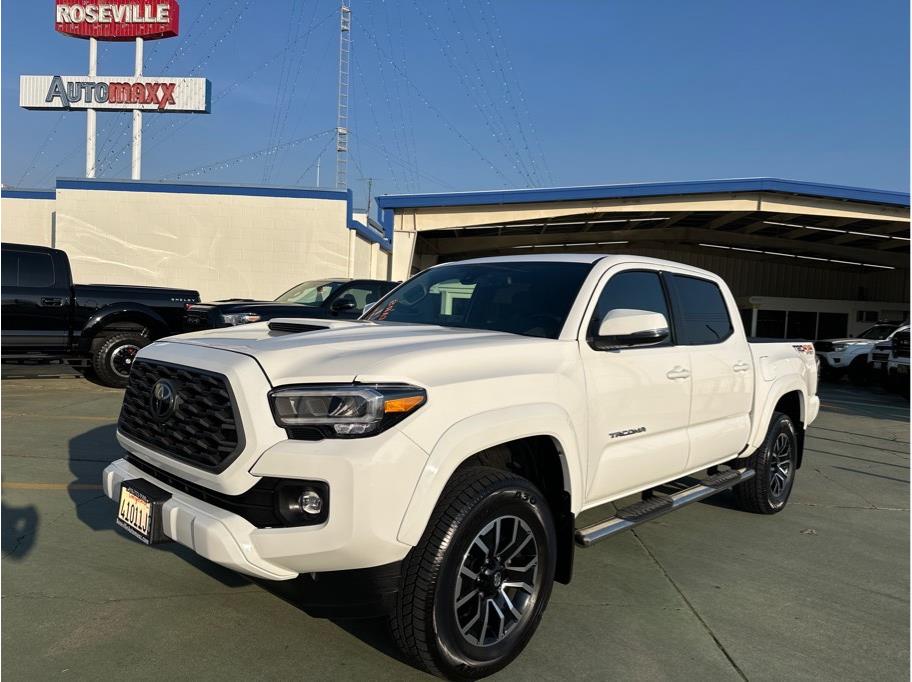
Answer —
251 156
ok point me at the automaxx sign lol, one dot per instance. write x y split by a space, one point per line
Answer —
118 93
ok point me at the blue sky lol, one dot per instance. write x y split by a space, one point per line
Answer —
480 94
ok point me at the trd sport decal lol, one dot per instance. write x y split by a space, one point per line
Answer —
628 432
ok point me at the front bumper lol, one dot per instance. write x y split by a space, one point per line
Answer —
371 482
832 360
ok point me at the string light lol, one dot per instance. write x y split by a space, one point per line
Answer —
234 161
436 111
515 161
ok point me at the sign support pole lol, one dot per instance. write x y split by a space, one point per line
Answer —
90 113
136 165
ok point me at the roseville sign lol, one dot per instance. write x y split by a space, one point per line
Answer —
118 19
115 93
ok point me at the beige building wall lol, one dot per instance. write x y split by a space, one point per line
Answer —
27 221
362 258
221 245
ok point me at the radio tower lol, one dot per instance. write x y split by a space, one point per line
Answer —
342 118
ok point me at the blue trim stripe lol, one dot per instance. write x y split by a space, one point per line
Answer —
516 196
200 188
47 194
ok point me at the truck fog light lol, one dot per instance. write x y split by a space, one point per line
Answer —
310 502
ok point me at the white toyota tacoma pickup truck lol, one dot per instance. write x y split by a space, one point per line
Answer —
430 459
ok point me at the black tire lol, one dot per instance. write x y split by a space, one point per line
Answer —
444 637
112 358
860 372
768 491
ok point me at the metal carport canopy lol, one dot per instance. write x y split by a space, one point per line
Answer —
837 226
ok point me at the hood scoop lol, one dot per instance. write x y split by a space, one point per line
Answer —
289 327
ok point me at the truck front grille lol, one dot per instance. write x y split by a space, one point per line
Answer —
823 346
198 424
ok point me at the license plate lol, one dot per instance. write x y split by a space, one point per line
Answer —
139 511
876 364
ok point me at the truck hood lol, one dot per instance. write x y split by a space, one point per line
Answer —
870 342
349 350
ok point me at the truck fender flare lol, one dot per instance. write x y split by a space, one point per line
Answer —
115 312
479 432
776 390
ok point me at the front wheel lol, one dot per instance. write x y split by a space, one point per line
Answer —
474 588
774 464
114 357
860 372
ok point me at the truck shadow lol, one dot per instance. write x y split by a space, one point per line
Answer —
89 454
370 627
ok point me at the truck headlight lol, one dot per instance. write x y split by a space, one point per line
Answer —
240 318
345 411
839 347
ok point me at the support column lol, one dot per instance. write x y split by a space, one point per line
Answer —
403 254
375 255
91 113
352 245
136 165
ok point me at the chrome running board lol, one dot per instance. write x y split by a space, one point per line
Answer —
659 505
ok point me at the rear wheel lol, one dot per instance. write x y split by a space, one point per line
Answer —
475 587
113 358
775 463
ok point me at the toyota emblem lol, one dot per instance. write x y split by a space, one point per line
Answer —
163 399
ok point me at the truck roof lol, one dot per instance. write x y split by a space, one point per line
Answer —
608 259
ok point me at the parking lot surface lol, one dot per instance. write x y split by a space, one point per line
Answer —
820 591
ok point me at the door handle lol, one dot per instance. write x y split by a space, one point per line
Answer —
678 373
51 302
741 367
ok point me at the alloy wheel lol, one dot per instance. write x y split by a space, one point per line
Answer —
780 465
498 581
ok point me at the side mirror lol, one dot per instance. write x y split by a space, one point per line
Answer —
342 304
623 328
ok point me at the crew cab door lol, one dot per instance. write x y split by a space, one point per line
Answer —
638 397
36 301
722 372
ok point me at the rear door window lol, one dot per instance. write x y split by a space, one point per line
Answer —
26 269
703 315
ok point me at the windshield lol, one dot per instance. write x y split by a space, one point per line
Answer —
878 332
526 297
311 294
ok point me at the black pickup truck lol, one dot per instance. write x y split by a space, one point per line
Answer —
46 316
322 298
